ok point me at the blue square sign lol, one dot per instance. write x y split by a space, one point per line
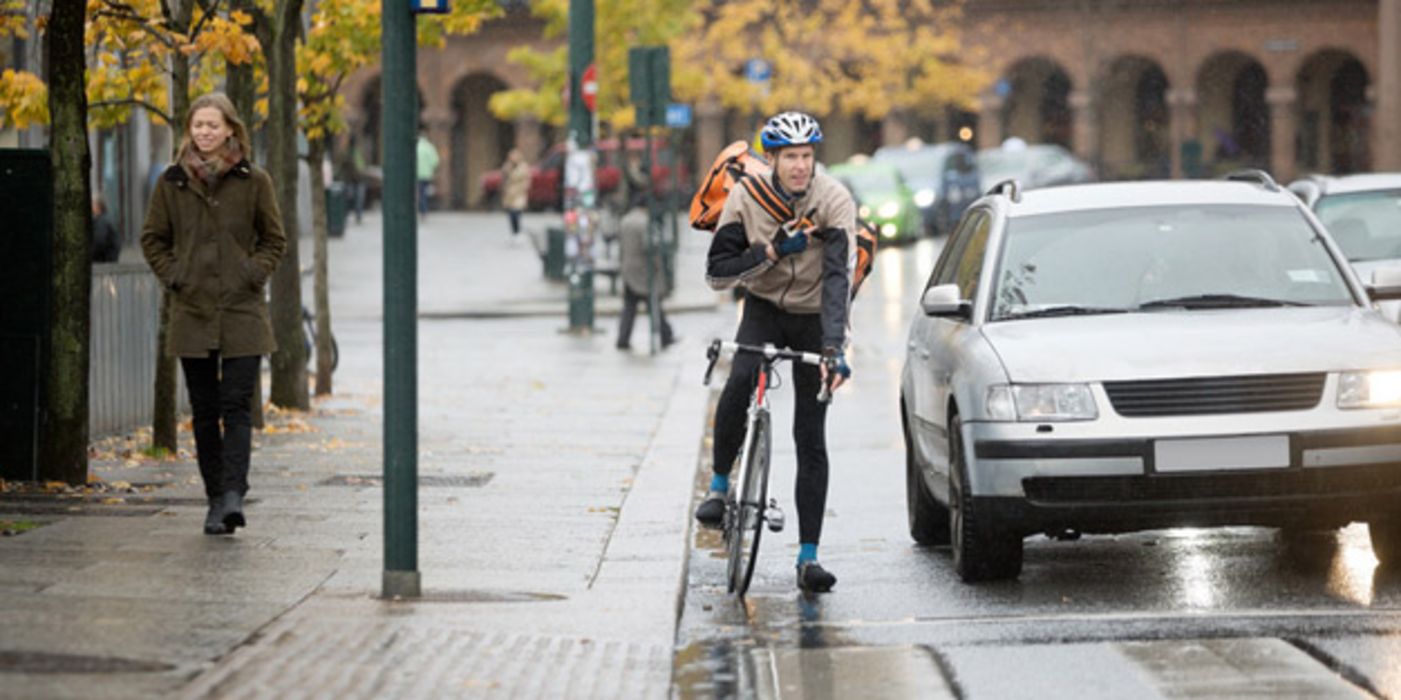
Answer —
430 7
678 116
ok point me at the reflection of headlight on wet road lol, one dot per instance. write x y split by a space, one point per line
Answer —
924 198
864 212
889 210
888 230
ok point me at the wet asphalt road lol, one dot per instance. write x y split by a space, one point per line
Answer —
1179 613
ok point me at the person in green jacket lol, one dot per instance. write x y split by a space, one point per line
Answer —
427 165
213 236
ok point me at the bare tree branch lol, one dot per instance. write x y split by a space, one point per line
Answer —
133 102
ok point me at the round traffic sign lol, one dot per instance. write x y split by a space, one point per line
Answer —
588 87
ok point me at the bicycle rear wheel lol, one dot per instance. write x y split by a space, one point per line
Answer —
747 521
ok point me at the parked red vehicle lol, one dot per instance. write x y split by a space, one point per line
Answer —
546 188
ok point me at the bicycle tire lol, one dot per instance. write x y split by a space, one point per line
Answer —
746 513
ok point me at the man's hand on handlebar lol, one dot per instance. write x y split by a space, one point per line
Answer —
834 368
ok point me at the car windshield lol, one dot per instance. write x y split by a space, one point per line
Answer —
1163 258
870 182
1366 225
918 167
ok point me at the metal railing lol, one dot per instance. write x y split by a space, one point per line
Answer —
125 318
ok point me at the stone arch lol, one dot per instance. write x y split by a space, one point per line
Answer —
479 141
1234 116
1134 136
1036 101
1334 119
369 131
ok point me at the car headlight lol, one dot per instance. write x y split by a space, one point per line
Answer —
889 230
863 211
1369 389
889 210
1030 403
924 198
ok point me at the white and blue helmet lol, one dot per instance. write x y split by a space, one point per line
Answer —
790 129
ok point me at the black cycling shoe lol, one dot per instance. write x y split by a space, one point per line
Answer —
812 578
711 512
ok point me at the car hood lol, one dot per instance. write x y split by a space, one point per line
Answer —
1167 344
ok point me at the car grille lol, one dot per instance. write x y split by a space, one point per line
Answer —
1206 487
1206 395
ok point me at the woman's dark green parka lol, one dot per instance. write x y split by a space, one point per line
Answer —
214 252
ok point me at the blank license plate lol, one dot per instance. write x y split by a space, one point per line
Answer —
1213 454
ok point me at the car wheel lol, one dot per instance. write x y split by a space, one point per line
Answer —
983 550
1386 541
929 519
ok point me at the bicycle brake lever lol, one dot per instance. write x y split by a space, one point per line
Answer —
713 352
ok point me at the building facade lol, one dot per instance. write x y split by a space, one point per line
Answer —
1138 88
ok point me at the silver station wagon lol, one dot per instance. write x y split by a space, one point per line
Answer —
1118 357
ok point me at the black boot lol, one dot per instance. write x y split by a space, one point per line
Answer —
233 511
214 521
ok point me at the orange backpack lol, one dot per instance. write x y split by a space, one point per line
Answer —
737 164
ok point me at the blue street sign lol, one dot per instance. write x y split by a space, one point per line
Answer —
678 116
757 70
430 7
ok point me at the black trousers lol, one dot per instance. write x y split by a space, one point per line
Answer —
762 323
515 216
628 315
220 389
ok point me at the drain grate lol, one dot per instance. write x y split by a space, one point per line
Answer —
463 596
41 662
473 480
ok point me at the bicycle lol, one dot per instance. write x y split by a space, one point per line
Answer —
309 340
747 505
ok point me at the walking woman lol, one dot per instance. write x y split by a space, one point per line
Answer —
515 187
213 237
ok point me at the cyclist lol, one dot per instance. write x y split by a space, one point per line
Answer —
797 277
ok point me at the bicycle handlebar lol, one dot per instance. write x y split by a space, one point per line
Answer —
769 352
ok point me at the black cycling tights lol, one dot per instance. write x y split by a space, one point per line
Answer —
765 323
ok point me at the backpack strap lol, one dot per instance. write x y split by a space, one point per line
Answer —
763 193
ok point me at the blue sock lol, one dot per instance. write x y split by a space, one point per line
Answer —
720 482
807 552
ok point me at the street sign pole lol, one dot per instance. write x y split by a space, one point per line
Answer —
400 109
579 169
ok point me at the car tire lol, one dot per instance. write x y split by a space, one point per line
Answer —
929 519
1386 541
983 549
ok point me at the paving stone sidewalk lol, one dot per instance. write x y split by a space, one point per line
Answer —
556 473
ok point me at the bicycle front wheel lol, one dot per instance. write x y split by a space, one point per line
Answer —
747 522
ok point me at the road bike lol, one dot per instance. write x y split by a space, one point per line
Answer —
747 505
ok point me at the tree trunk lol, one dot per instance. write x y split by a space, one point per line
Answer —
64 414
163 433
315 155
289 385
242 93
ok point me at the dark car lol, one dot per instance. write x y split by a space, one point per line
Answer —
943 177
546 177
1033 166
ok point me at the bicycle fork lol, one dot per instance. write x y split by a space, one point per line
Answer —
771 514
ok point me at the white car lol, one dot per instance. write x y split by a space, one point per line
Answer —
1363 214
1119 357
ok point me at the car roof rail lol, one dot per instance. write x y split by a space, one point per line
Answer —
1009 187
1256 176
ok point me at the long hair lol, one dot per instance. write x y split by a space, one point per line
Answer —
221 102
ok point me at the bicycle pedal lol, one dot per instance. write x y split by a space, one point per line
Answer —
774 516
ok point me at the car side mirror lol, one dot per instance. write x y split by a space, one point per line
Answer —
943 300
1386 284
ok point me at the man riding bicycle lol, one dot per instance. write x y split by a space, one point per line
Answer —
797 276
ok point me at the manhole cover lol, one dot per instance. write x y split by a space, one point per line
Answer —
473 480
41 662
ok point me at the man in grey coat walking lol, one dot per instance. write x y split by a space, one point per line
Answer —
634 253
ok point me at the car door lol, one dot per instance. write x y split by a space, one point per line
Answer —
933 340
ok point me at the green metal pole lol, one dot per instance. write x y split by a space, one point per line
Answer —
400 110
581 54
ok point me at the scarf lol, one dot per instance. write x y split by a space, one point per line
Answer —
209 170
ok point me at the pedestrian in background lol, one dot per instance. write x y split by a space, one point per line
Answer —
213 236
637 256
353 174
515 187
106 237
427 165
